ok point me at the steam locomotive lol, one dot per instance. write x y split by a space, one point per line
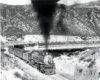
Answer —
39 59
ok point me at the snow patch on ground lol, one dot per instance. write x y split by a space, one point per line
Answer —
84 66
10 74
65 64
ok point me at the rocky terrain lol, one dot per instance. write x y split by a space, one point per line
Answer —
78 19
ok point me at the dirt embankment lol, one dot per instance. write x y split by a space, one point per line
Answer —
83 66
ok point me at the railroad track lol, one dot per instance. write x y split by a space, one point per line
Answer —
58 47
57 77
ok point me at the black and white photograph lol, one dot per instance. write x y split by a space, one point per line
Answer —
50 39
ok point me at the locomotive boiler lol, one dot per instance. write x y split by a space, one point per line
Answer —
43 62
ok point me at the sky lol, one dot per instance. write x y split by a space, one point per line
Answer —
71 2
26 2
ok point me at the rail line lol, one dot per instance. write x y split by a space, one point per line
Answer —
57 77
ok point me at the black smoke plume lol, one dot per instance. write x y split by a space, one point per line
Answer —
45 10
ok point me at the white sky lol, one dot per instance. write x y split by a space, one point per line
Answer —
71 2
15 2
23 2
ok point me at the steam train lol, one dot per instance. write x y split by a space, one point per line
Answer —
39 59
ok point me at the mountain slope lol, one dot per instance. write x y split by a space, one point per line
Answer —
78 19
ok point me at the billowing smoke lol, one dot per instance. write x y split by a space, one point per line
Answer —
45 10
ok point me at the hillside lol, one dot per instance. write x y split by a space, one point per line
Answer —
78 19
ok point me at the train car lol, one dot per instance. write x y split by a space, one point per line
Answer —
43 62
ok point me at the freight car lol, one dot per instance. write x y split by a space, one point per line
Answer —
43 62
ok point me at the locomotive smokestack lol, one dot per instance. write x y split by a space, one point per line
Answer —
45 10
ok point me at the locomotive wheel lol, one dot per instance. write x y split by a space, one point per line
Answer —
38 66
31 62
42 69
26 61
